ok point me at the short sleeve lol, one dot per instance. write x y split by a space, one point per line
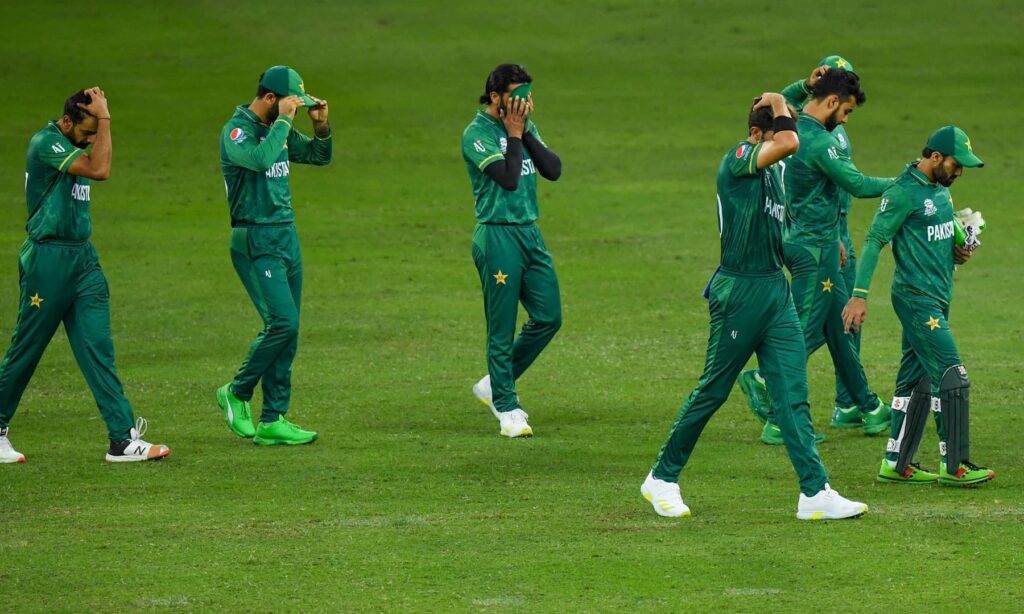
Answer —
56 151
742 161
480 147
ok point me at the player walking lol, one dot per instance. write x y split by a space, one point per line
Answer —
752 312
257 146
845 414
504 152
61 279
916 214
813 250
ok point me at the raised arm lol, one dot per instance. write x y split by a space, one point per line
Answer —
785 142
244 151
318 150
838 166
96 163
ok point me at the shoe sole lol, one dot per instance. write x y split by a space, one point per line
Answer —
222 400
952 482
887 480
527 433
135 459
13 461
262 441
650 499
846 425
877 429
821 515
483 399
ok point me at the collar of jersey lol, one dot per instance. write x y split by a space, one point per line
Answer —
487 117
919 176
804 114
247 112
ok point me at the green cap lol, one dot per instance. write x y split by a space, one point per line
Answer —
837 61
952 141
284 81
522 91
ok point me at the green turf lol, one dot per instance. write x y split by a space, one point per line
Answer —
410 500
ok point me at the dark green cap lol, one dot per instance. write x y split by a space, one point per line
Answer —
837 61
952 141
284 81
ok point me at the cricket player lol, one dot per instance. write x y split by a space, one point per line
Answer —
504 153
257 147
752 312
61 279
845 414
813 251
916 214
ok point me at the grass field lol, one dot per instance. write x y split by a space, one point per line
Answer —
410 500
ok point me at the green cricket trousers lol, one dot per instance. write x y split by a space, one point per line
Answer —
820 294
62 282
515 266
928 351
750 314
268 260
844 398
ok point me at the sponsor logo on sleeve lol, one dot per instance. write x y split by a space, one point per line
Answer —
504 144
742 151
882 205
57 148
479 146
842 141
832 153
237 135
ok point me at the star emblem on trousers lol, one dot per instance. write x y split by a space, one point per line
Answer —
826 286
500 278
933 323
37 301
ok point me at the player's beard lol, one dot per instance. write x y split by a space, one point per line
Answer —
832 121
942 177
272 114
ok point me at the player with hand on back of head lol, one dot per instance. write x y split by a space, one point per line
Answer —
752 312
61 278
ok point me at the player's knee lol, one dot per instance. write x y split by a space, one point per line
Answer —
954 378
286 326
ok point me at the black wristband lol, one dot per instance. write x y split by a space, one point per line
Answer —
783 122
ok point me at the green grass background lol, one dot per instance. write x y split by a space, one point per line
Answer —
410 500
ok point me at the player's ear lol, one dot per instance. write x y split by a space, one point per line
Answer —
495 98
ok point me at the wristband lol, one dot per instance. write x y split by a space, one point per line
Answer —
783 122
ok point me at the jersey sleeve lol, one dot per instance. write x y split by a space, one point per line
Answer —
480 148
742 161
314 150
241 149
532 129
55 151
835 162
893 211
796 93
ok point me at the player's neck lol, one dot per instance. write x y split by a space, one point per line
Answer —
818 111
927 169
492 110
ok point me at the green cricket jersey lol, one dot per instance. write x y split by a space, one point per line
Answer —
255 159
917 216
798 95
815 175
483 142
751 205
58 202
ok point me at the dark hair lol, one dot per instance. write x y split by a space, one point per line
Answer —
761 118
503 76
928 151
262 91
842 83
75 112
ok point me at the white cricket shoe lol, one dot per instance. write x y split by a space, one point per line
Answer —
828 505
135 449
664 497
482 391
7 452
513 423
